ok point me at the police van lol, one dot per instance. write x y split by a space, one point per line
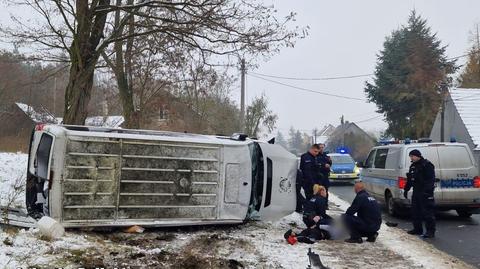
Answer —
457 182
87 176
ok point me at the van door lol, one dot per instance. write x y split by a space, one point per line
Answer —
280 169
38 174
430 153
381 180
456 174
365 175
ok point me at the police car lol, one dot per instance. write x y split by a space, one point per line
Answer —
457 177
344 168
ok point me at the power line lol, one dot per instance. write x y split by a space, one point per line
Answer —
343 77
314 79
305 89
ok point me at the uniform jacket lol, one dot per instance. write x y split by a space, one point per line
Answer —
309 167
421 176
367 209
317 206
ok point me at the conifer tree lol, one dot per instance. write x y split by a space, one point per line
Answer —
409 71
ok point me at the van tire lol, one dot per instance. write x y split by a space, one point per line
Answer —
392 208
463 213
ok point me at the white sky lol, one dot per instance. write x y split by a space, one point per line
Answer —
345 36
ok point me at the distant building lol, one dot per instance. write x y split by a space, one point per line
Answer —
166 112
461 119
18 121
325 133
354 138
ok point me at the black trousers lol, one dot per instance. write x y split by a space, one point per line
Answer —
423 210
357 227
300 198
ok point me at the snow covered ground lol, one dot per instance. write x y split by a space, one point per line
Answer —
252 245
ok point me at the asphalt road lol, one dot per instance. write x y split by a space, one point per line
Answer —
459 237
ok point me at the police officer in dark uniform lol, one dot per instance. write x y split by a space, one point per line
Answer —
421 177
324 164
368 219
309 168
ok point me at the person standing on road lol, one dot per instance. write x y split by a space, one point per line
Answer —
324 164
421 176
309 168
368 219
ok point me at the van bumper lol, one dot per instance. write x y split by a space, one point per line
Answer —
343 178
473 208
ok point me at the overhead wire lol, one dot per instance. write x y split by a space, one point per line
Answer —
307 90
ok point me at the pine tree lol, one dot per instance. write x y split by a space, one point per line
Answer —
409 71
280 140
295 141
470 76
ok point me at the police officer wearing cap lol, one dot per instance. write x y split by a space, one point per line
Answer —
421 176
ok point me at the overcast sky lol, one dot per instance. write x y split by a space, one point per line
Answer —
344 38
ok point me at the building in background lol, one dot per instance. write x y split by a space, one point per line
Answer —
461 119
351 137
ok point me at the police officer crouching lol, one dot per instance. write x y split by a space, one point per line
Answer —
421 176
368 219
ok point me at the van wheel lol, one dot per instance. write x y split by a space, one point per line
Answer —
392 208
463 213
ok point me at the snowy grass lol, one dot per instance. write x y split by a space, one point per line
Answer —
252 245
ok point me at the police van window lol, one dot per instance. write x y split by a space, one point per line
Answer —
42 157
381 158
369 161
454 157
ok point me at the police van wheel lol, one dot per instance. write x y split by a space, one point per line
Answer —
392 208
463 213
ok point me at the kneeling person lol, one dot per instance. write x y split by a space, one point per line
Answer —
368 219
315 209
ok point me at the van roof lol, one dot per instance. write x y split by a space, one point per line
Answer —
78 130
420 145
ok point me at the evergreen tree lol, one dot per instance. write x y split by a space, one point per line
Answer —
280 140
470 76
295 141
409 71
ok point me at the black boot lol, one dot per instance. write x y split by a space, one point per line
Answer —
372 238
354 240
415 232
428 234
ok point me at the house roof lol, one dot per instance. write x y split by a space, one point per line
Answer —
42 115
467 102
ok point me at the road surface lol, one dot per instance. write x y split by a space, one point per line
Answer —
455 236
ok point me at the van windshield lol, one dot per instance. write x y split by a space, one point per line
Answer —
257 178
344 159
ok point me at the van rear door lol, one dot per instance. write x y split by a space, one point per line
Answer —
457 171
430 153
280 169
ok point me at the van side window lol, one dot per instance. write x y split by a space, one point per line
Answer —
42 157
381 158
369 161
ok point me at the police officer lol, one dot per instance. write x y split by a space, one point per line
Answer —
309 168
421 176
324 163
368 219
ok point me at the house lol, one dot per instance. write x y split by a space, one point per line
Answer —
19 119
325 133
166 112
461 119
354 138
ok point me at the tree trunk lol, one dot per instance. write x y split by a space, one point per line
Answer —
78 93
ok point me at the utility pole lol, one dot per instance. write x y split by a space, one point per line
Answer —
54 94
315 136
443 87
242 96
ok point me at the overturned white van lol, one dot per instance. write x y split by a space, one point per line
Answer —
87 176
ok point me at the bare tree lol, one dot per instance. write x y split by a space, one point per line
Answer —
84 29
258 116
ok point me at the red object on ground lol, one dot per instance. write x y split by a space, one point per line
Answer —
292 240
